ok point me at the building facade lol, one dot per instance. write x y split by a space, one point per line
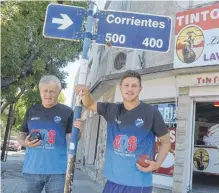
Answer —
183 83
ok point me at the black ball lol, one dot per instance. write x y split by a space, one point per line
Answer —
35 135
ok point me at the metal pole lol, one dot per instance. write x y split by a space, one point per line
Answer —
78 108
7 132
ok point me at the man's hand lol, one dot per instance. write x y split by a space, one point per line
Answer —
82 89
152 166
33 143
79 123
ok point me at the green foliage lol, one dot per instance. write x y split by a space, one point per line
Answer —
26 55
61 98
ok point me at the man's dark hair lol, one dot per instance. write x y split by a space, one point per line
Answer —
131 73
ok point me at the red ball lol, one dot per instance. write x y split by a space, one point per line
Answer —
141 160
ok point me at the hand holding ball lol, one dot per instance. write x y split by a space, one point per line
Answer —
141 160
35 135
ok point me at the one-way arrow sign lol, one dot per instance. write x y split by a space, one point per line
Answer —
63 22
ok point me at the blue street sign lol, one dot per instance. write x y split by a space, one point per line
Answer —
134 30
63 22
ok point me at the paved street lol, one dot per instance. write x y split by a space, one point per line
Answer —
12 181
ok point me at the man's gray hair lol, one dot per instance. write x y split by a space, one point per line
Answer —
50 79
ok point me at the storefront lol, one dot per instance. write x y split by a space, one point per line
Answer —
197 153
197 114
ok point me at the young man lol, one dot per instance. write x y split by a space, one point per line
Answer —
131 130
45 161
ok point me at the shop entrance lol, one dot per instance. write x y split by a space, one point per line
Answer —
206 147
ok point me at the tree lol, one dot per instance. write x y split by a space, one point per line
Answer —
26 55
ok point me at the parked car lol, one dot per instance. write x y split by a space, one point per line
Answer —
13 144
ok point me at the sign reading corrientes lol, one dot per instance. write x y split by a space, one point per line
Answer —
197 37
134 30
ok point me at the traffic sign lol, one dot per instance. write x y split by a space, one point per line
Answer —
63 21
134 30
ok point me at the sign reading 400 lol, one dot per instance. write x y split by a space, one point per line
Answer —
133 30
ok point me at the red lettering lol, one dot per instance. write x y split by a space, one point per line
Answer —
132 144
208 80
116 142
51 136
199 80
215 79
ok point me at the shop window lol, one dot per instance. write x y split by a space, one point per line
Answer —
206 146
168 112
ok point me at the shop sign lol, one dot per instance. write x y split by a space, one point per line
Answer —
203 80
168 111
206 159
197 37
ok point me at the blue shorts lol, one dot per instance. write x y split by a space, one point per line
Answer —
111 187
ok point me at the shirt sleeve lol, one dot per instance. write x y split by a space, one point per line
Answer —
24 126
70 123
107 110
159 128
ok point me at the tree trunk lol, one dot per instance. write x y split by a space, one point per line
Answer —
4 106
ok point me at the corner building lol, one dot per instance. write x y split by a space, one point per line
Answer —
183 83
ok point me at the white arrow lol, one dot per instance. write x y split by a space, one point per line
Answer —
65 21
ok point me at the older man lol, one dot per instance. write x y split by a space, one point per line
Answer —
45 161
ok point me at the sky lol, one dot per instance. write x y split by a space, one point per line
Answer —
71 69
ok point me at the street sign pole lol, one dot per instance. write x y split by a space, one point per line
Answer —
78 107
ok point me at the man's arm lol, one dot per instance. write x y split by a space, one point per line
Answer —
21 138
161 131
87 100
78 124
163 149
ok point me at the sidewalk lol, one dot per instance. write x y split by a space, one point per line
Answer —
12 181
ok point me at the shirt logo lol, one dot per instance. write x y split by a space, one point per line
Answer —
35 118
57 119
139 122
125 145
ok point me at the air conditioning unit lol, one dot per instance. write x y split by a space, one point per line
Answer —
117 61
122 60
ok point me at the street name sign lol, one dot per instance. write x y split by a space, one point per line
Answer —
134 30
